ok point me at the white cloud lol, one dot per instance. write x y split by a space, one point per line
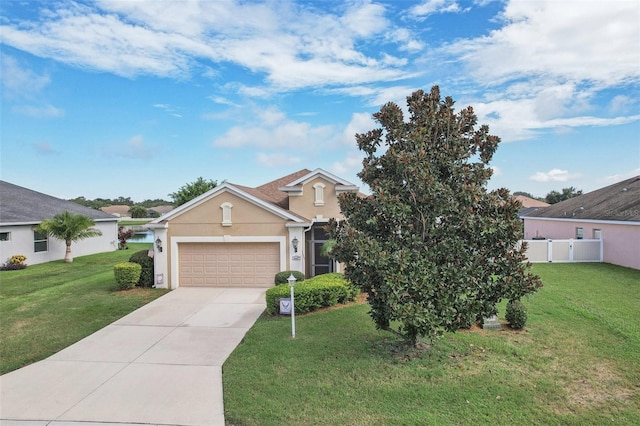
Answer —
44 148
621 176
135 148
276 159
291 44
429 7
44 111
275 131
18 81
554 175
596 42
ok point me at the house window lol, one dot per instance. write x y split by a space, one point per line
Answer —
5 236
226 213
40 242
579 233
319 192
597 234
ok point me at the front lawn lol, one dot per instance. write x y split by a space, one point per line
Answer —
575 363
45 308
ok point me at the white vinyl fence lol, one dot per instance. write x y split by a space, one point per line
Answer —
564 250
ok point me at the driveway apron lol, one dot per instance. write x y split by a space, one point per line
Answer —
159 365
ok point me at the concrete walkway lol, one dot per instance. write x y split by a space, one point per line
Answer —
159 365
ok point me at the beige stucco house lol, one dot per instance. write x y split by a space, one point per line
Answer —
235 235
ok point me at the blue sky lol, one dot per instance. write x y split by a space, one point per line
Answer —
137 98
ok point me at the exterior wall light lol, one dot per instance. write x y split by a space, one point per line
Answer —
294 243
159 244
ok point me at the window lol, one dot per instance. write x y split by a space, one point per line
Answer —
5 236
579 233
40 242
597 234
319 192
226 213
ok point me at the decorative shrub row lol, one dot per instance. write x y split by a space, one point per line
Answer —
127 274
146 276
312 294
516 314
281 277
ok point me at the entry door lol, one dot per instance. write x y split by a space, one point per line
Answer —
319 264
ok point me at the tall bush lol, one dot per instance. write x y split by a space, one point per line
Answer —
146 276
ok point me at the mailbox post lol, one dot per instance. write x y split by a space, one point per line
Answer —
292 282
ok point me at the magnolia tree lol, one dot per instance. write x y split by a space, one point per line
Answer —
432 247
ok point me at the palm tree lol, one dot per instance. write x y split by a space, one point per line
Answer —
69 227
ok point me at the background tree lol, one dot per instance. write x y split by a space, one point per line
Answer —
431 245
138 211
555 196
124 235
191 190
523 193
68 227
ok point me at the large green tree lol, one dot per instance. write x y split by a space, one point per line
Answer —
69 227
555 196
431 245
191 190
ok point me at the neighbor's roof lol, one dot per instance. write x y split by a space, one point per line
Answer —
617 202
528 202
20 205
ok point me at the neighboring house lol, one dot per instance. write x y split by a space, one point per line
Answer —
529 204
158 210
611 213
234 235
117 210
21 209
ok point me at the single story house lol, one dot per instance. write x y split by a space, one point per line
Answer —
529 204
611 214
235 235
21 209
117 210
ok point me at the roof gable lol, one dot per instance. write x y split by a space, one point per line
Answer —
24 206
341 184
247 194
617 202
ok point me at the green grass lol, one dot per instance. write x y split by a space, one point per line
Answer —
45 308
576 363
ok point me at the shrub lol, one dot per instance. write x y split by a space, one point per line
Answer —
146 276
516 314
14 263
312 294
281 277
127 274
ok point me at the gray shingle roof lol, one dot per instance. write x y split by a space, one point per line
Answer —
617 202
22 205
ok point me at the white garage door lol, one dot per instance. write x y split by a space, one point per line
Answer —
228 264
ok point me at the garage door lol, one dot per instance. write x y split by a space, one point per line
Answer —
228 264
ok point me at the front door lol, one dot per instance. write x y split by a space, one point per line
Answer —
319 264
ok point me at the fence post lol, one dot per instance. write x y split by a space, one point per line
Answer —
549 250
570 249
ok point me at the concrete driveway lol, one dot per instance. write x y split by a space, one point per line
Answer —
159 365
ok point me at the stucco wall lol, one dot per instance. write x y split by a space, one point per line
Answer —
304 205
205 221
621 242
22 243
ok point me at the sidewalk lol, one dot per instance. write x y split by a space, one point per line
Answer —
159 365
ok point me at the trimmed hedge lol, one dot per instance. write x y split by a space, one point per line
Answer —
281 277
146 276
127 274
312 294
516 314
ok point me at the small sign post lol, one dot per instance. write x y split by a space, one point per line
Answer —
292 282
